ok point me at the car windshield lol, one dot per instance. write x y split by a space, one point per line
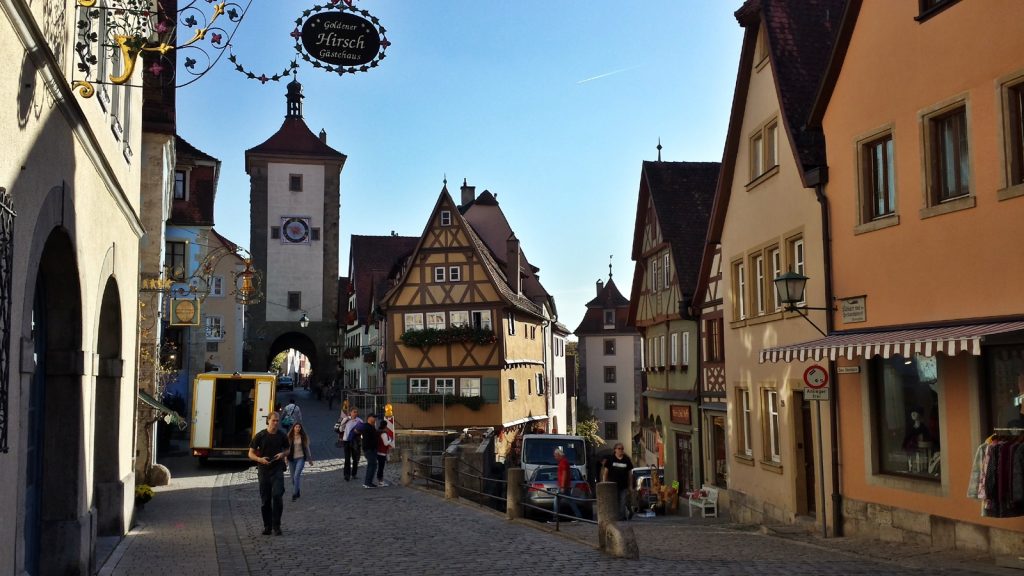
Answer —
550 474
542 450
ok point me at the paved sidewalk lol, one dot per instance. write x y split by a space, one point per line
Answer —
208 522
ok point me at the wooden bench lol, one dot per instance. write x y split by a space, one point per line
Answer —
705 500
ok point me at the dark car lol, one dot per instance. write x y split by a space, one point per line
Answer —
543 484
285 383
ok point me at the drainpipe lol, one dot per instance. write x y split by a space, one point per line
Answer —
818 177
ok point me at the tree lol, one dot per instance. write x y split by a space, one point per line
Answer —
588 426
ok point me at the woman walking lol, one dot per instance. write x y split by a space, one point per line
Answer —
298 455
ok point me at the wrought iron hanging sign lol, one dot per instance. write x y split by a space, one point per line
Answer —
112 35
336 37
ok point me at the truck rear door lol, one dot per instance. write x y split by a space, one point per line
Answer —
202 412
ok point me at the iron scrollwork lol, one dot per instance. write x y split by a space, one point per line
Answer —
7 215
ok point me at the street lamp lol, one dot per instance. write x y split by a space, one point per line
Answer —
304 321
790 287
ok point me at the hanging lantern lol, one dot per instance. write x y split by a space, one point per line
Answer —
247 285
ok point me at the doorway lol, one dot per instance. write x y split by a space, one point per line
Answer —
806 452
107 485
684 462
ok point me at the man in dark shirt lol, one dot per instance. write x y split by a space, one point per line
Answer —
268 450
617 469
367 432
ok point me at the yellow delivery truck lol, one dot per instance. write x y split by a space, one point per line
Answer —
227 411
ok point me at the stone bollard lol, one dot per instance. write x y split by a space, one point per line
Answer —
406 469
451 478
613 537
514 494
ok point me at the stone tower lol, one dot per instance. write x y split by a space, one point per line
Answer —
294 199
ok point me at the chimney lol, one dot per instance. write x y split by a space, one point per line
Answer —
323 136
512 266
468 193
600 286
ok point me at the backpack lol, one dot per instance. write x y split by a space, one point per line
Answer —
288 420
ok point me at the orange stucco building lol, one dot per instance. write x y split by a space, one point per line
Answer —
921 108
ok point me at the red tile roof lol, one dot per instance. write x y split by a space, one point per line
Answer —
372 261
294 138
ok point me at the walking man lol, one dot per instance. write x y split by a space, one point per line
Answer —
351 443
617 469
269 449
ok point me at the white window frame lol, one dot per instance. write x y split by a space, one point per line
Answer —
436 321
439 273
741 291
686 349
444 386
217 286
655 274
419 385
469 386
748 448
455 273
666 271
458 318
412 321
799 257
481 319
511 389
776 256
759 295
673 349
662 355
214 327
446 218
540 383
511 319
773 424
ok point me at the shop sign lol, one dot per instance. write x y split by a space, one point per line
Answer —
854 309
184 312
680 414
341 38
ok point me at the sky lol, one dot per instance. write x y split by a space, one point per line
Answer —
553 106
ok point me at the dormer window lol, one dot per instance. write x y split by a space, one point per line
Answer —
446 218
609 319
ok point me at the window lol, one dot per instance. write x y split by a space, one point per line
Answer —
482 319
609 346
762 47
275 232
439 274
455 273
533 332
611 430
673 349
1013 102
611 401
1002 407
739 289
948 163
609 373
435 321
655 274
759 295
446 218
771 407
511 319
662 356
295 182
667 268
776 258
216 286
419 385
469 386
540 383
744 433
444 385
175 260
295 300
214 327
764 149
878 186
314 234
511 388
413 321
180 184
529 387
686 349
458 318
212 346
796 260
609 319
906 413
713 327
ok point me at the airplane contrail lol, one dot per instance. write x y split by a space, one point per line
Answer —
606 74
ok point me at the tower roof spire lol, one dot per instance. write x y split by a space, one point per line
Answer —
610 256
294 98
659 148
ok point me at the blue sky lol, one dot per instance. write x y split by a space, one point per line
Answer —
551 105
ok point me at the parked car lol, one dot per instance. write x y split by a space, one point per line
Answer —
543 484
644 497
285 383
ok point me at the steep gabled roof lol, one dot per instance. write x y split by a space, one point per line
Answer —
293 138
196 209
372 260
609 297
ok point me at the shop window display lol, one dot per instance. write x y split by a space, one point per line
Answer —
1005 387
906 404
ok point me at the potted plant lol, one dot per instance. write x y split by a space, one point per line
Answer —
143 494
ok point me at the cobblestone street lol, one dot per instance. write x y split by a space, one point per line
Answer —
208 522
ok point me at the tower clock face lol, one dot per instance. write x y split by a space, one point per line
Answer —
295 230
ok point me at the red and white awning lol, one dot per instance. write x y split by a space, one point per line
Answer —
949 340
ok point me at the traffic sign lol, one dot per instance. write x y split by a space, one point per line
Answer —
816 377
815 393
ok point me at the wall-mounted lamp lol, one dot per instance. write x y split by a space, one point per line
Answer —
304 321
790 287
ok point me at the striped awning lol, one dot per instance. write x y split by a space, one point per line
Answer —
949 340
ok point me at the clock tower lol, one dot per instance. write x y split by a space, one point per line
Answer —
294 199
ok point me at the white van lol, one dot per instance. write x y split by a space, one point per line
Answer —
539 450
227 411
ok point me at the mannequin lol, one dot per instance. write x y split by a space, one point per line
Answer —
918 439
